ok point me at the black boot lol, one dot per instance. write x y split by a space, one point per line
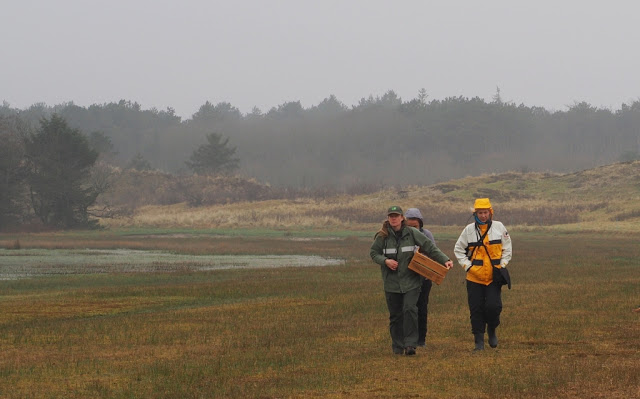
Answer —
493 339
479 339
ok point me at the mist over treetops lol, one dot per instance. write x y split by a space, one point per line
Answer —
381 140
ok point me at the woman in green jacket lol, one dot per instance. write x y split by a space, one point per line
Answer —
393 249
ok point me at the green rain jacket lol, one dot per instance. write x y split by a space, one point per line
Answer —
403 279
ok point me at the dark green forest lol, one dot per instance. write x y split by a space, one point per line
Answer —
382 141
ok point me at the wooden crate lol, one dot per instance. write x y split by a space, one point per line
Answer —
428 268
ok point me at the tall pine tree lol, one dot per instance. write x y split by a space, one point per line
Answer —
60 161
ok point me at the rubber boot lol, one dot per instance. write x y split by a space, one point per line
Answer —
493 339
479 339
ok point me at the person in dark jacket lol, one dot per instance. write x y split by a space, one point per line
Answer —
393 249
414 219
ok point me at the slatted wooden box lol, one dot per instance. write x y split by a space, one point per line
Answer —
428 268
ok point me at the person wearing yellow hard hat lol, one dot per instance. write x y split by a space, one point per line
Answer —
484 250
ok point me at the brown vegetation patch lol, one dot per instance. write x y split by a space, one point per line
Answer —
503 177
132 188
445 188
626 216
496 195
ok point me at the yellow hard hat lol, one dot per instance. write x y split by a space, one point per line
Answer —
483 203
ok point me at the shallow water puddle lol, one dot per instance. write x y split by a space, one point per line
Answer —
22 263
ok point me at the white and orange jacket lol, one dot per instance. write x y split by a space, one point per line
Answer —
480 267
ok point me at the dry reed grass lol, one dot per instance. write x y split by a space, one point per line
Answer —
589 198
357 213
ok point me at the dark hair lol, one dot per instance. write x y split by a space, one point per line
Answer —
419 221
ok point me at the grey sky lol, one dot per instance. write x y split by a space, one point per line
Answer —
249 53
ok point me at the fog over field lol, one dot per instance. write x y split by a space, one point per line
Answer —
307 99
261 54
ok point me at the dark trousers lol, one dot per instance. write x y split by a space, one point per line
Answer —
423 309
485 305
403 318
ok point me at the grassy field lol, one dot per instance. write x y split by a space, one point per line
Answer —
568 330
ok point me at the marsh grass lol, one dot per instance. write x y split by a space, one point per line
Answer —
567 328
